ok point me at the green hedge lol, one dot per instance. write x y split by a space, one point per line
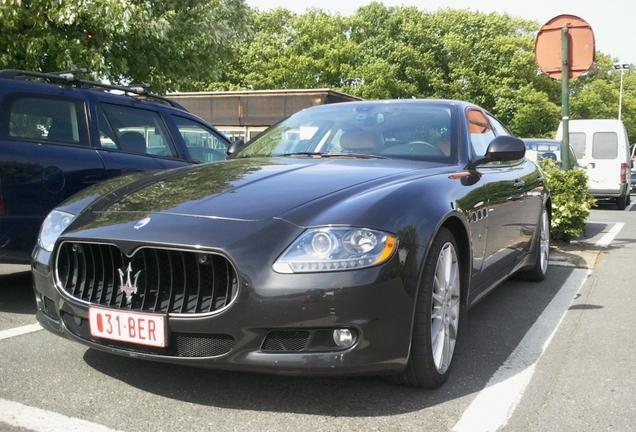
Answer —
571 199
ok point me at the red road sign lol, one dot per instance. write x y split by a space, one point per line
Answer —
547 47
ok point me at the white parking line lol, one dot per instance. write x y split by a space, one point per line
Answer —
609 236
19 331
494 405
38 420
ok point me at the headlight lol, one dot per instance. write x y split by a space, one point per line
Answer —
336 249
54 224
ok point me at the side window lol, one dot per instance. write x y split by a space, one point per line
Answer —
134 130
480 130
37 118
203 144
500 129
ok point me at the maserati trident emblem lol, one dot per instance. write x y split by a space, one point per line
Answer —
128 287
142 223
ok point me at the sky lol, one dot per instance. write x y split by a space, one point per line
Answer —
612 21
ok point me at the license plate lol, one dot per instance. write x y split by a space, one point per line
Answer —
132 327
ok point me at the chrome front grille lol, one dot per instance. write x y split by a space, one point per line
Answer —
165 280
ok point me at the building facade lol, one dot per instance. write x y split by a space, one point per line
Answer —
244 114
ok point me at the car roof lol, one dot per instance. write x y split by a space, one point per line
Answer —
436 102
70 81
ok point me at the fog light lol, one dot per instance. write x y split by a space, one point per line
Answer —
343 338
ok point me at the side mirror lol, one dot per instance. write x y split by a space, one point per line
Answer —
233 148
503 148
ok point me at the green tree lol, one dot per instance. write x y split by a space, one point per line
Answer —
170 43
598 99
529 112
289 51
384 52
393 56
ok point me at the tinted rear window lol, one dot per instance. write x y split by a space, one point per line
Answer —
605 145
45 119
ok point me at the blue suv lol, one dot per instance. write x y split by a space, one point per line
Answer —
60 133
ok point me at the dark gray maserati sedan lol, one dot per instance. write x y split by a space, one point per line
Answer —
348 239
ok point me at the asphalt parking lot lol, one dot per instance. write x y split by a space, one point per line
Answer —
557 355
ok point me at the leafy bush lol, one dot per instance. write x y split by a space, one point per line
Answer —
571 199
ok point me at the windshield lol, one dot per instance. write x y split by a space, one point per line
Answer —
419 131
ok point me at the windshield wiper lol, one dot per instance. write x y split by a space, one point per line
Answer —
302 154
354 155
335 155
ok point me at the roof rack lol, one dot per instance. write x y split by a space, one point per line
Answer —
72 77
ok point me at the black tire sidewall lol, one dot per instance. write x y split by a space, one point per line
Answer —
421 370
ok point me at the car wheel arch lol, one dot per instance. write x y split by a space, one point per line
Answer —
456 225
417 372
462 238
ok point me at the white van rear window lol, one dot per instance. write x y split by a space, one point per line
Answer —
577 141
605 145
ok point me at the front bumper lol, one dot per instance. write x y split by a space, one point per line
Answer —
281 328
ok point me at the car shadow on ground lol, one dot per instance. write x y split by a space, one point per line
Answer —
496 326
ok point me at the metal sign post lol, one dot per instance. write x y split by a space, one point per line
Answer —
565 97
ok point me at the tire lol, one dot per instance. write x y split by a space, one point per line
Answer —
538 272
437 316
621 203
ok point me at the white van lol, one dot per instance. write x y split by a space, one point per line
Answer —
602 147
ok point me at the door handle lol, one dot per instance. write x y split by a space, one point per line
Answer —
519 184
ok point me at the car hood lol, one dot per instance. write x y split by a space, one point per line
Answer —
248 189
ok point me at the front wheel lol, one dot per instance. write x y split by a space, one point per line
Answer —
437 316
